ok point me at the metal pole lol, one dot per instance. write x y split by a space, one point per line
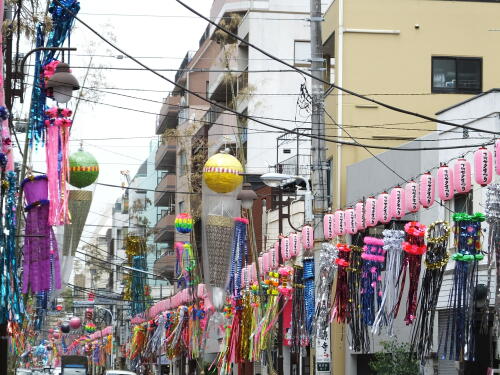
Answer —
318 151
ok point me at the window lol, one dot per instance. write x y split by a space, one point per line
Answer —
463 203
182 163
457 74
181 206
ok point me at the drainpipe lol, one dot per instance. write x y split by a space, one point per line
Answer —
340 99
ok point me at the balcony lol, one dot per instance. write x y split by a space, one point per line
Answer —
165 155
165 190
164 228
236 59
165 265
167 119
223 130
298 165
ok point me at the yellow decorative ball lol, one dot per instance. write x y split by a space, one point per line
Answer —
222 173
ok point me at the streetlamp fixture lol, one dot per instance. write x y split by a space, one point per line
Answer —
247 196
278 179
62 83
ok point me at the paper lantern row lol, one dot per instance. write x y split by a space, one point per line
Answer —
401 201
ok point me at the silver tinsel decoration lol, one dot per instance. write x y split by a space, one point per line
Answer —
492 211
327 270
393 240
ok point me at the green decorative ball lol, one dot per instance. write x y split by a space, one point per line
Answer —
83 169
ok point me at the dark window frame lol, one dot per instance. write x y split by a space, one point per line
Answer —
456 90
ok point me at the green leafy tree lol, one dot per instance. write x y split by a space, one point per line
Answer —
394 359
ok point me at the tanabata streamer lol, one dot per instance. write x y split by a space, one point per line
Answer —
435 263
341 299
371 279
413 247
493 219
360 340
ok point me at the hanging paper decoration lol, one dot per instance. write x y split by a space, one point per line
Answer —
340 227
58 126
329 226
341 300
261 266
413 247
307 237
295 244
445 183
285 249
83 169
371 212
412 204
274 256
493 219
462 176
41 272
309 293
393 241
266 262
222 173
426 190
75 322
383 213
436 259
350 221
298 327
184 223
482 166
359 210
371 279
397 203
459 339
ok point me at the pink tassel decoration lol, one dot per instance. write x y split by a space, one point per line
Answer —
350 221
371 212
359 210
295 244
411 197
482 166
462 176
383 213
426 190
340 227
307 237
445 183
285 248
397 203
329 226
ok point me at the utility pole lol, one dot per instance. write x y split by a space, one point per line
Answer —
319 166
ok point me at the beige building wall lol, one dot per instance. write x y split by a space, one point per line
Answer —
387 50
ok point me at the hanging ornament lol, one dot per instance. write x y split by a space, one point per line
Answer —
371 279
65 328
359 210
371 212
295 244
412 204
75 322
274 256
413 247
341 300
222 173
90 327
329 226
397 203
383 213
462 176
309 293
184 223
393 240
426 190
445 183
340 227
83 169
458 342
266 262
482 166
307 237
285 249
350 221
436 259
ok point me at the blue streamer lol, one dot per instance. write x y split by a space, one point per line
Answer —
239 254
308 276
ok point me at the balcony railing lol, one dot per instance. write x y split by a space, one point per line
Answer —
296 165
167 118
165 229
165 265
165 155
165 190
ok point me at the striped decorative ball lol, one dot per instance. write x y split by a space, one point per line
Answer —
222 173
83 169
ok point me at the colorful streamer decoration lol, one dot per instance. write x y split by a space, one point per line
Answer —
184 223
371 280
341 300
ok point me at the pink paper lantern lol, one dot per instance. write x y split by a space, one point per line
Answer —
245 280
371 212
359 211
497 156
445 183
340 227
274 256
266 262
261 265
350 221
462 176
482 166
329 226
285 248
75 322
307 237
295 244
397 203
383 212
426 190
253 273
412 203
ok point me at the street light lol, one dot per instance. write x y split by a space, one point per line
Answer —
62 83
246 196
278 179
